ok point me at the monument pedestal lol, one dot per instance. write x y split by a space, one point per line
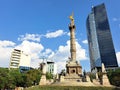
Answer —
73 68
73 71
43 80
73 77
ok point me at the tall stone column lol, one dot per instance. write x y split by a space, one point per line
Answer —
72 39
72 66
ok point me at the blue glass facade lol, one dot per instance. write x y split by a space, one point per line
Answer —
24 68
101 47
95 58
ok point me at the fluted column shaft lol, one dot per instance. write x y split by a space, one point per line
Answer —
72 42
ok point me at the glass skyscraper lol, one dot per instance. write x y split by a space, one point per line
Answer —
101 49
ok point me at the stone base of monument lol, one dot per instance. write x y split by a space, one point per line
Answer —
72 83
43 80
73 67
61 78
96 82
73 77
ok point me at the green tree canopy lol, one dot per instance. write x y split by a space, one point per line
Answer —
9 79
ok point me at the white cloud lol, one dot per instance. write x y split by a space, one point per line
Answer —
55 34
47 53
63 52
36 50
6 48
85 41
115 19
118 57
31 37
40 56
51 55
31 48
60 66
6 43
81 52
68 34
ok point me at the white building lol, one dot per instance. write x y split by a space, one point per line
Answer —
51 67
19 58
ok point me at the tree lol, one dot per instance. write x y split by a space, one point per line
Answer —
6 80
92 76
62 72
49 75
3 77
18 77
114 77
33 77
9 79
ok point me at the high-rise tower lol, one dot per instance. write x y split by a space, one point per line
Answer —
100 42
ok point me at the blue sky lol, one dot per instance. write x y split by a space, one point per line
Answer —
40 28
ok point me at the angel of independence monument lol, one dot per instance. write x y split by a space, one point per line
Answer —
73 69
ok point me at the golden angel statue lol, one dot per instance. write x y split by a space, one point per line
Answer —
71 18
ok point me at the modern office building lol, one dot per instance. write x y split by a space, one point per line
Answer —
101 49
19 59
51 67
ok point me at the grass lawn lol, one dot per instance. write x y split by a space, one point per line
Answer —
70 88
